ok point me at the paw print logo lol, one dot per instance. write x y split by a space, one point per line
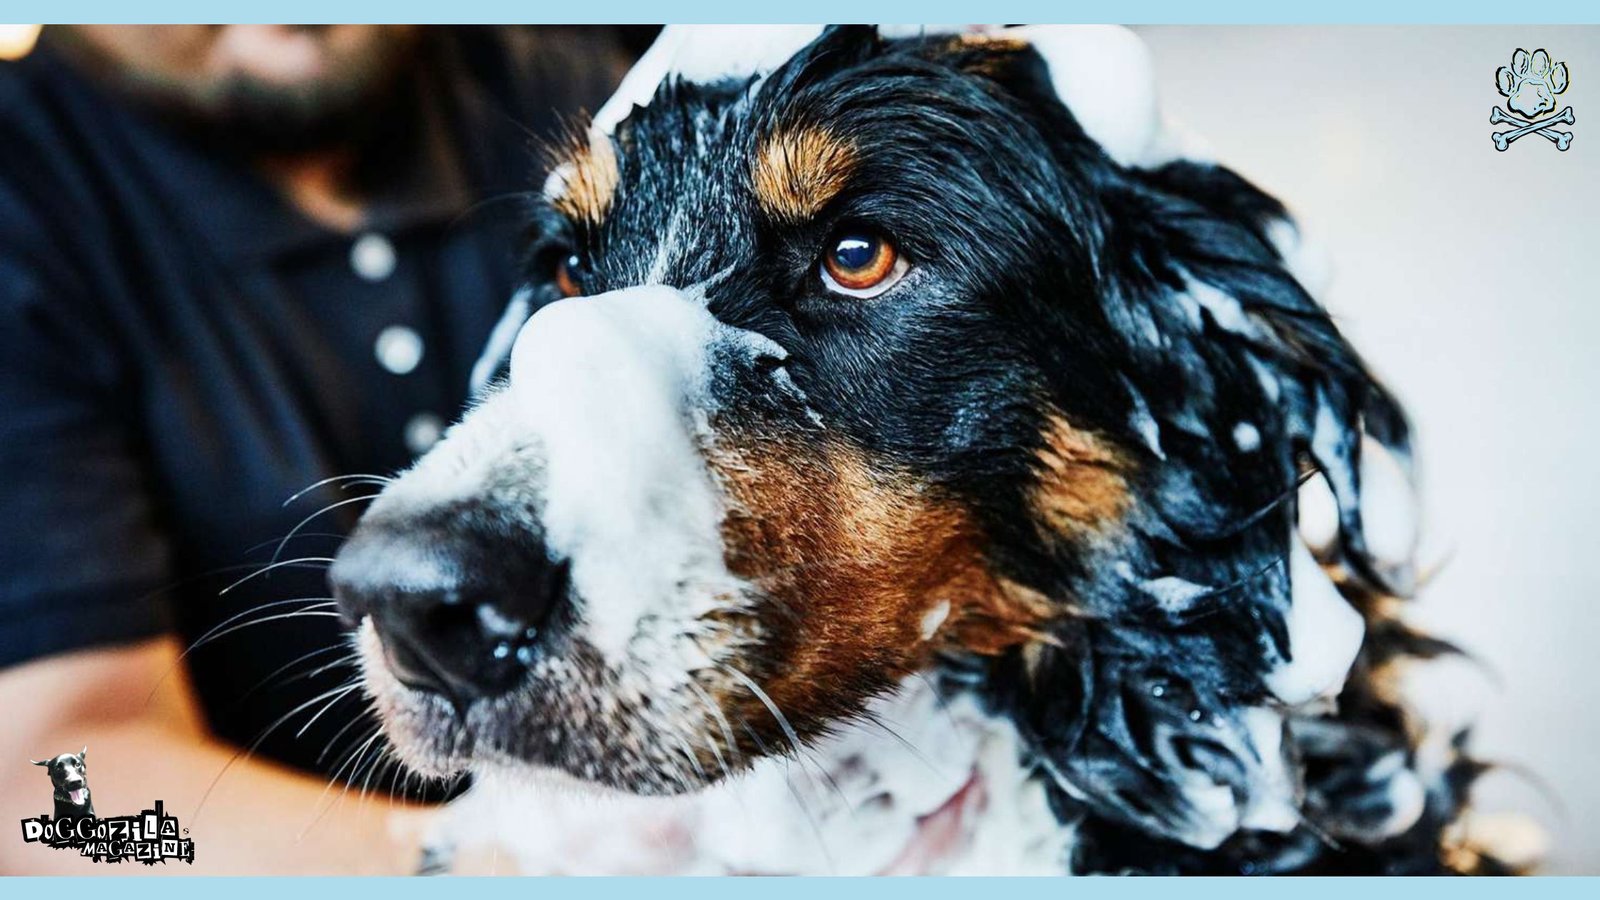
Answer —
1530 85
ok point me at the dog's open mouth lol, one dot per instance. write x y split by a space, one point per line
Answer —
78 796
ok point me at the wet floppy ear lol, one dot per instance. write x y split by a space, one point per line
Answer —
1162 709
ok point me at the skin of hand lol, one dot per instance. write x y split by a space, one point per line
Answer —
134 709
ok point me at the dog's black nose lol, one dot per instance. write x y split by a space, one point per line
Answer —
458 615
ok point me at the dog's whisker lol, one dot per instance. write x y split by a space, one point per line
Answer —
332 741
877 721
365 766
777 714
302 536
291 664
334 777
688 753
321 610
384 757
325 707
246 752
793 738
354 763
358 476
308 519
298 561
318 602
728 738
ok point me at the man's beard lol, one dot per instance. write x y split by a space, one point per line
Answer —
251 118
247 116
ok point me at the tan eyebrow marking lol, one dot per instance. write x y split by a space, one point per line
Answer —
798 171
583 187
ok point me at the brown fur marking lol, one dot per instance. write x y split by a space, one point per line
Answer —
854 558
589 181
1083 488
798 171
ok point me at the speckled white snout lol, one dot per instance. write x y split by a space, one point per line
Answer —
612 388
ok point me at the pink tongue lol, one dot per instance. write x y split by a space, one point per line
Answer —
77 795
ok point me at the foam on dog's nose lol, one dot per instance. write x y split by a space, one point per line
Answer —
613 389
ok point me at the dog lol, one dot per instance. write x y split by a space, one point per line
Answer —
69 777
919 460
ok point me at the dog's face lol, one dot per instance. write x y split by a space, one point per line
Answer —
69 775
876 362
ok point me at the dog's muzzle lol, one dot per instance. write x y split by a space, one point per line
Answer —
571 508
460 613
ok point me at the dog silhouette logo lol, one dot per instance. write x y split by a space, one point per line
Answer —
150 836
1530 85
69 779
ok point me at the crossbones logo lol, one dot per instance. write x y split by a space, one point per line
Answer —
1530 85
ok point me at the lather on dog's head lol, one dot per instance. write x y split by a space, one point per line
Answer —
874 365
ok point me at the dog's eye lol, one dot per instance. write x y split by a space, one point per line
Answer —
567 277
861 263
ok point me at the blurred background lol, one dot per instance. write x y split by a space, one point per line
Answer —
1468 278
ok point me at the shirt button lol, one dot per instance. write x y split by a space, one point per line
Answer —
399 349
372 257
422 432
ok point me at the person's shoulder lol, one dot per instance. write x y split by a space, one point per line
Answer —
24 95
41 121
43 176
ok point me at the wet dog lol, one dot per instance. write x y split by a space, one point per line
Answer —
911 427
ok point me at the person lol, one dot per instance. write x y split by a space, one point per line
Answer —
238 265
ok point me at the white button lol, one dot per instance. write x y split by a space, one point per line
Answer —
422 432
399 349
372 256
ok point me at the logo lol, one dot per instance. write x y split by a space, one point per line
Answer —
1530 85
150 837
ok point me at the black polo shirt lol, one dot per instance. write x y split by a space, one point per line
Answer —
181 352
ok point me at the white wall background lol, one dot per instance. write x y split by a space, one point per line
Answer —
1471 280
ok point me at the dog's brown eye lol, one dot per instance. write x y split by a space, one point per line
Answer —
566 281
861 263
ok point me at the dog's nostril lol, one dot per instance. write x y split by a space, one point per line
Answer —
455 618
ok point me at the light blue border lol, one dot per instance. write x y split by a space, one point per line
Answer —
796 888
746 11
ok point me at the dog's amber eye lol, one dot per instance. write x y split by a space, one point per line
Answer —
860 263
566 279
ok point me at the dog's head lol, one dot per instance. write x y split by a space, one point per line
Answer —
876 363
69 775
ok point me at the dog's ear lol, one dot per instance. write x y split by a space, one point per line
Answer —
84 755
1207 617
1205 622
40 762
